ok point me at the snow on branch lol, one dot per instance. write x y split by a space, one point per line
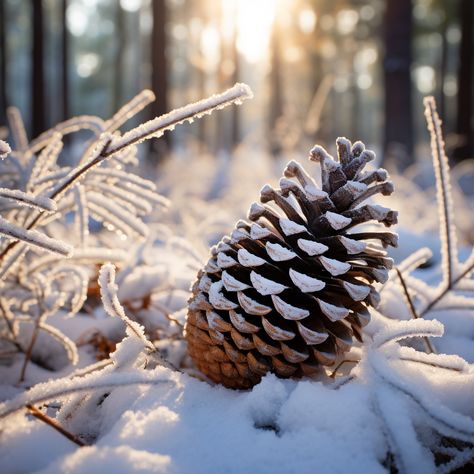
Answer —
4 149
108 293
130 109
17 128
444 196
406 329
157 126
65 386
33 237
72 125
39 202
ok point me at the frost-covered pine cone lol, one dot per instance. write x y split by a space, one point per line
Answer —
289 292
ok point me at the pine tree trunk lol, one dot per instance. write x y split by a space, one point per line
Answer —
64 62
398 56
464 127
38 122
3 68
159 75
276 93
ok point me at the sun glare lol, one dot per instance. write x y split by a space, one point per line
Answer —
254 19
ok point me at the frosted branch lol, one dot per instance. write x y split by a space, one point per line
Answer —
130 109
406 329
108 292
4 149
17 128
59 388
443 190
27 199
33 237
157 126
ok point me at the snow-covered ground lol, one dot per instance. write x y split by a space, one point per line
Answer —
396 406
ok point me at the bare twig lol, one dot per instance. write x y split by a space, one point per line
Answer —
414 313
54 424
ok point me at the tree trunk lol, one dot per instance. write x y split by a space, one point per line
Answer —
120 45
38 122
464 127
3 67
276 93
64 62
398 57
159 79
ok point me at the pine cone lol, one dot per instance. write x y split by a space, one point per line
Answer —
289 292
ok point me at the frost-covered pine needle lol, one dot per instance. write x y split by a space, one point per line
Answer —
157 126
448 235
130 109
112 306
17 128
38 202
4 149
65 386
33 237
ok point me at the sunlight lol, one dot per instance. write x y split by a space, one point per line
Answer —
254 21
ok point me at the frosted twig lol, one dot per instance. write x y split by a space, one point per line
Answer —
82 214
58 388
4 149
46 159
121 176
32 237
108 292
443 189
448 422
157 126
409 301
131 108
38 202
67 343
17 128
83 122
406 329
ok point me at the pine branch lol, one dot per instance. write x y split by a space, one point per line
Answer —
58 388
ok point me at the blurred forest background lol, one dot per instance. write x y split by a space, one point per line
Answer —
318 68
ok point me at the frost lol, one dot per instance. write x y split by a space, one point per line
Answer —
4 149
312 248
333 312
232 284
290 228
289 311
265 286
306 283
337 221
249 260
38 202
278 253
33 237
335 267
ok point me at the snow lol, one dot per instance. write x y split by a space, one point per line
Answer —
337 221
312 248
335 267
265 286
143 417
4 149
291 228
247 259
278 253
289 311
306 283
